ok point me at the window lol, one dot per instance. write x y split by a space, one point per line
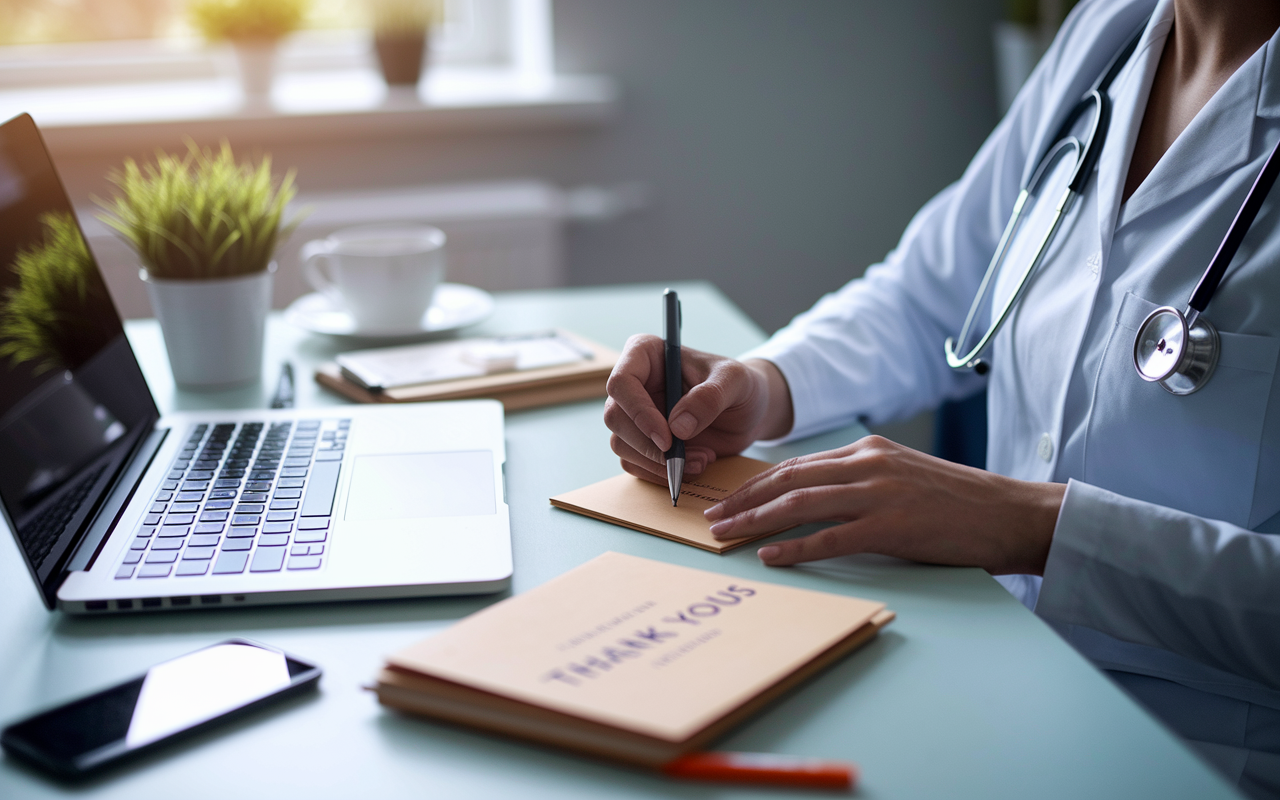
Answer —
79 42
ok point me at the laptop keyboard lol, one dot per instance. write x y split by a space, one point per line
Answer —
243 498
41 534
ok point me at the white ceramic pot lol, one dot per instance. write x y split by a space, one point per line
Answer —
213 329
256 66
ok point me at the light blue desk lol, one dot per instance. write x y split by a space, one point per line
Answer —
966 695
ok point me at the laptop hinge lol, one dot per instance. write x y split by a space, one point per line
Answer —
116 499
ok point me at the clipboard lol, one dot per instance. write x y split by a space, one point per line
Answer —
584 379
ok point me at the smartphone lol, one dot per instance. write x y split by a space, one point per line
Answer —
172 699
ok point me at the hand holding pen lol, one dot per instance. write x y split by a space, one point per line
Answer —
729 405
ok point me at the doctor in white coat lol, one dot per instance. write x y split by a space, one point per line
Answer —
1142 525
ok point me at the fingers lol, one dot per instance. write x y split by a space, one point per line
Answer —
635 380
819 469
716 384
696 459
841 540
796 507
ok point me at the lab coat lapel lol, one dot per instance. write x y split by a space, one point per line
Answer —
1129 99
1218 140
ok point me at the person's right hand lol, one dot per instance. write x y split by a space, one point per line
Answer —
728 405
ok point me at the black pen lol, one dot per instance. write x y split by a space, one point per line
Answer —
675 382
284 388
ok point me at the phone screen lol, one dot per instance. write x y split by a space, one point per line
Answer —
172 697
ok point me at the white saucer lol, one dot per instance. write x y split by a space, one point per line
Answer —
454 306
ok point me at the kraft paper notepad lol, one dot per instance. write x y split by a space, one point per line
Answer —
628 658
644 506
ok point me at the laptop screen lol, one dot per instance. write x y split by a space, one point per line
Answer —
72 397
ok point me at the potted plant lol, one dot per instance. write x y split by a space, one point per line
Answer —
254 28
205 229
400 31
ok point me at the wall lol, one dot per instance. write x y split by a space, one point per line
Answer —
785 145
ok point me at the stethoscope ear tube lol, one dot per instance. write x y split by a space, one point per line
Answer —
1208 284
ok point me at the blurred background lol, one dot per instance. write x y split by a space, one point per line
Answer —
774 149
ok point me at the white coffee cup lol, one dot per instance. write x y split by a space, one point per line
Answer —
383 275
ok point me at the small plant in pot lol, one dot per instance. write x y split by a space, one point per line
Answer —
400 36
254 28
205 229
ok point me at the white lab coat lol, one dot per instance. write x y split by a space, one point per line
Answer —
1163 567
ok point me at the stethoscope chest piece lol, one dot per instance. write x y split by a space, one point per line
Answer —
1179 357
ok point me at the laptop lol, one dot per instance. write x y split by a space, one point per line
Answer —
119 509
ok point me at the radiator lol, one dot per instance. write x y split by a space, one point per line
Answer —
501 236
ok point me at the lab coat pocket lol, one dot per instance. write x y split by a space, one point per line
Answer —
1196 453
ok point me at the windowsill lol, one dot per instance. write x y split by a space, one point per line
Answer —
306 106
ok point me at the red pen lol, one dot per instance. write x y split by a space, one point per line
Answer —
764 768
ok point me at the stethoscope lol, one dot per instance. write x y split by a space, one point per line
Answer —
1176 349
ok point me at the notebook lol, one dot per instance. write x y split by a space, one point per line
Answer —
643 506
116 508
629 659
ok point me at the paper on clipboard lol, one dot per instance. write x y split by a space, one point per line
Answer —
390 367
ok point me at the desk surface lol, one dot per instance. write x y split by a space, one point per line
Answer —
965 695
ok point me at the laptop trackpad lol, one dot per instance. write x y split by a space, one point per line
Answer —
415 485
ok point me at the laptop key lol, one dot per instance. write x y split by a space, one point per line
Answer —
277 527
238 544
249 508
187 568
151 519
304 562
283 505
185 508
146 530
198 553
227 483
221 494
321 489
169 485
300 550
209 527
253 497
174 531
258 486
132 557
230 563
158 508
267 559
219 505
310 536
180 519
203 540
140 543
245 519
279 516
214 516
329 455
154 571
167 544
162 557
242 532
291 483
195 486
293 472
273 539
313 524
125 571
288 494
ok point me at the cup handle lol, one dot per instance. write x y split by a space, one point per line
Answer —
315 258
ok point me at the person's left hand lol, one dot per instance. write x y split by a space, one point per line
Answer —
896 501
